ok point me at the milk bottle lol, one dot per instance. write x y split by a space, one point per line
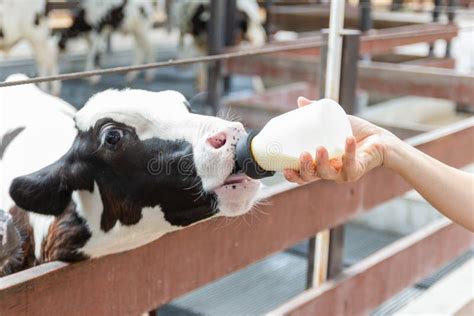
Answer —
281 141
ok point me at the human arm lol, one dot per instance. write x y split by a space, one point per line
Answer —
449 190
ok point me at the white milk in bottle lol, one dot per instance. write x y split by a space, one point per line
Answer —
280 143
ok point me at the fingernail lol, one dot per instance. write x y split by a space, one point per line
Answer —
304 157
320 151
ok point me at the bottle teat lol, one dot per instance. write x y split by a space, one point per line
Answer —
245 161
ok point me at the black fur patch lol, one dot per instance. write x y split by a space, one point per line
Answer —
37 20
67 234
22 257
112 18
131 174
1 33
11 253
97 59
48 191
79 27
8 138
143 12
242 23
200 23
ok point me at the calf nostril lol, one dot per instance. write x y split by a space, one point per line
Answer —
218 140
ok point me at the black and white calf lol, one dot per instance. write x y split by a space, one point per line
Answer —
96 20
192 18
137 165
26 20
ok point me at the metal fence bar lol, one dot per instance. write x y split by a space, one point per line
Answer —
216 31
374 43
365 15
436 14
230 32
268 19
451 16
186 61
347 98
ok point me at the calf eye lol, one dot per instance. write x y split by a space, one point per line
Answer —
113 136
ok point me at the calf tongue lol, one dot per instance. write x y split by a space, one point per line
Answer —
235 178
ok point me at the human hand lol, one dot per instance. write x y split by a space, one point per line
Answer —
363 152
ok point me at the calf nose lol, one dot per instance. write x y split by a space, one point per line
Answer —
217 140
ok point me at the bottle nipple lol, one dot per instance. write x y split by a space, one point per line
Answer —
245 161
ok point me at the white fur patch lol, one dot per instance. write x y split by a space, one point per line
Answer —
40 224
121 237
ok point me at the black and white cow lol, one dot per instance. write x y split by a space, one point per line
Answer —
96 20
26 20
192 17
133 166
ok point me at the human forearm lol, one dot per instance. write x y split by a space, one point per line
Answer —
449 190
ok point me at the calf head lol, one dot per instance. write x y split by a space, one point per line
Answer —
244 28
143 150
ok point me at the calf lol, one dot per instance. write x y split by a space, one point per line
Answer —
23 113
96 20
26 20
137 165
192 17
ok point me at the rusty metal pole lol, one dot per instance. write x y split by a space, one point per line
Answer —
333 73
347 98
436 13
268 19
349 70
365 22
216 45
230 22
452 4
365 16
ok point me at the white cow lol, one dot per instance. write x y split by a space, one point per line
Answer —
26 20
192 17
96 20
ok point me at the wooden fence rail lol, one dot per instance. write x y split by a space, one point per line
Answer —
367 284
142 279
391 79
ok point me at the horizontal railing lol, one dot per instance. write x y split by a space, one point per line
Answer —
142 279
377 42
367 284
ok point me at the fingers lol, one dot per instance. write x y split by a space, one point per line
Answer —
306 173
324 168
349 160
307 168
302 101
293 176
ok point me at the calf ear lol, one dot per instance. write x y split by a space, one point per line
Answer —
48 191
